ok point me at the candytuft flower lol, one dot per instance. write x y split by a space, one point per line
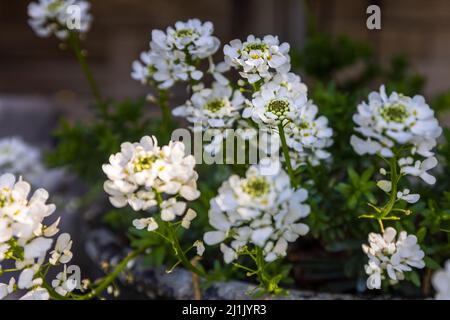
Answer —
262 210
389 257
216 108
441 282
175 54
257 58
59 17
144 175
396 120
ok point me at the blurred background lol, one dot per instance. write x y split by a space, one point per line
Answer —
36 68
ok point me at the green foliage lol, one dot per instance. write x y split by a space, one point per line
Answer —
84 147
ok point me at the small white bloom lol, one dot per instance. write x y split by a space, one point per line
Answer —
143 171
175 54
385 185
149 223
420 169
387 121
62 253
200 247
36 294
49 17
262 210
188 217
172 208
258 58
64 284
441 282
407 196
6 289
390 258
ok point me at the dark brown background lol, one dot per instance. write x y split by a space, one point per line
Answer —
31 66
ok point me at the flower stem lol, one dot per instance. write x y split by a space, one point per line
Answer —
74 42
394 181
113 275
163 101
287 157
179 252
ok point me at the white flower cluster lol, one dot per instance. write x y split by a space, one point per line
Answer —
262 210
441 282
283 100
59 17
25 240
389 257
17 157
258 58
175 55
144 175
20 158
216 108
389 122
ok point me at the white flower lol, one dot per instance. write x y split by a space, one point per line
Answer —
3 250
37 248
407 196
388 121
308 135
62 284
57 17
172 208
188 217
258 58
26 278
20 217
215 107
149 223
175 54
200 247
6 289
19 158
259 209
390 258
385 185
142 172
441 282
276 102
192 36
62 253
420 169
217 71
36 294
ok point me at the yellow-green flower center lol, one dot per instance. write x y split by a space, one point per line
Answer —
5 198
182 33
215 105
256 186
278 107
55 6
394 112
255 46
142 163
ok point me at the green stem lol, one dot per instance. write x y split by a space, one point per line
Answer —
113 275
74 42
287 157
394 181
179 252
163 101
173 239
